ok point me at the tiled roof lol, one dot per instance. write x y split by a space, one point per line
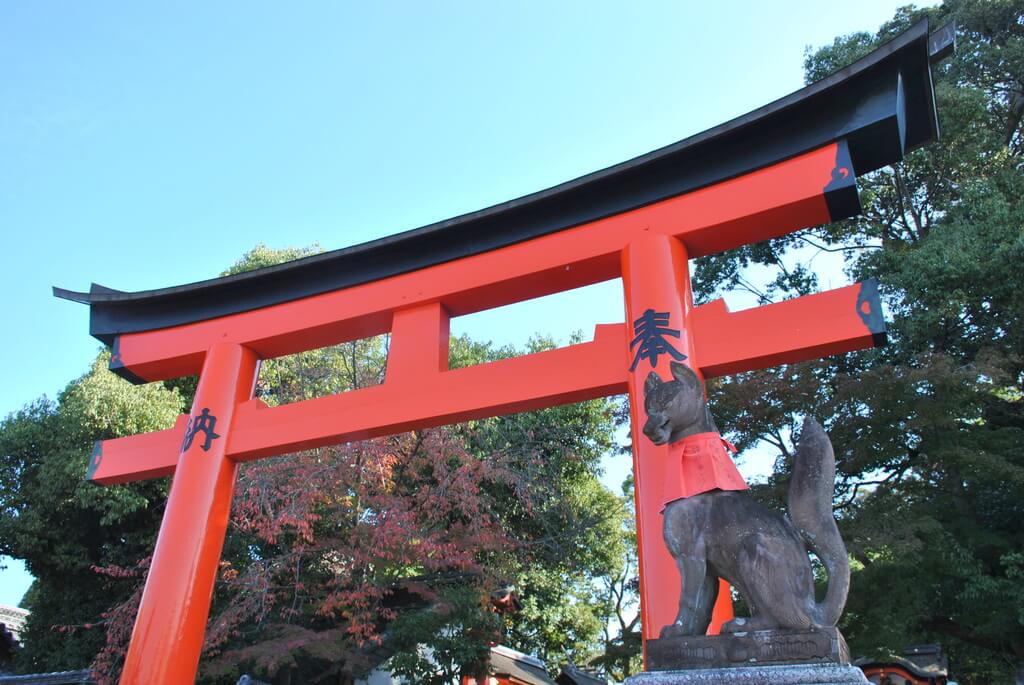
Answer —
13 618
572 675
519 667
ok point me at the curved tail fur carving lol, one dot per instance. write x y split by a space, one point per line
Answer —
810 510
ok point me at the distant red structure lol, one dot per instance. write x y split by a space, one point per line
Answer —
510 667
919 665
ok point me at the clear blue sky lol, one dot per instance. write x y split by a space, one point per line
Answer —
145 145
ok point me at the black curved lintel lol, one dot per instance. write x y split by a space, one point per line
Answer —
881 106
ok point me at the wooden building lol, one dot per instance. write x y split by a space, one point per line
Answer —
919 665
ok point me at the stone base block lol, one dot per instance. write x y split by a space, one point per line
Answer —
796 674
753 648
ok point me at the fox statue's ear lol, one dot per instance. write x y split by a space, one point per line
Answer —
652 382
685 375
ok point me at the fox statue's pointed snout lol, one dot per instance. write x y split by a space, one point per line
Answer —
674 407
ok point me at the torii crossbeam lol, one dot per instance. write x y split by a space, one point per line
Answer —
787 166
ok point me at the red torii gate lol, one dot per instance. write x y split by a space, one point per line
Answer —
787 166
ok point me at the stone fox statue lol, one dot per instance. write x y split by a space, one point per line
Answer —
727 534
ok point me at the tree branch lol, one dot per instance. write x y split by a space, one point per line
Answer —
895 475
845 248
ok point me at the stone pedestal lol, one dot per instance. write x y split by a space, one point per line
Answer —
769 657
795 674
753 648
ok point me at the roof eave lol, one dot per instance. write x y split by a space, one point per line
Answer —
882 105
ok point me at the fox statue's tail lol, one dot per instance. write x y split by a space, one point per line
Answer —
810 509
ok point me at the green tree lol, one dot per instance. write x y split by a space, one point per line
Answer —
574 529
619 600
62 526
928 430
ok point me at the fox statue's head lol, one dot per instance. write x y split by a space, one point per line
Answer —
675 408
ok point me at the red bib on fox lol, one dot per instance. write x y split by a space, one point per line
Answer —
700 463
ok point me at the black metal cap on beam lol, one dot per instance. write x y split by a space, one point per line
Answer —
869 308
841 193
942 42
882 106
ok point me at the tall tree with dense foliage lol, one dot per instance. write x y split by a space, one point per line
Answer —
929 430
62 526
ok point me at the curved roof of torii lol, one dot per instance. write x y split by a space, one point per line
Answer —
882 105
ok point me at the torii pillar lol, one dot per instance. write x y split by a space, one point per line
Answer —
655 275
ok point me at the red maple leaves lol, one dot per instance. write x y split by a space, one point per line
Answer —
327 546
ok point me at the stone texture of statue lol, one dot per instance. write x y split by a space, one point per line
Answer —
762 553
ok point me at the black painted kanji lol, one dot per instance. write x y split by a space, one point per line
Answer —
204 423
650 331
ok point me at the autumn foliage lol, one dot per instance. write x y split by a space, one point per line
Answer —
330 536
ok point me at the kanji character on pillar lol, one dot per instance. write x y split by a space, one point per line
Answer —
650 330
204 423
